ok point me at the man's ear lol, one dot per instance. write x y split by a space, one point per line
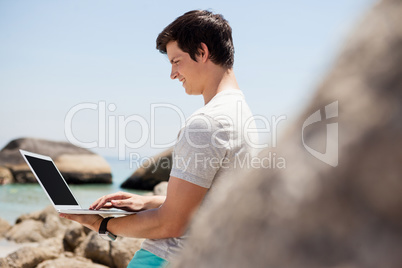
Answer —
204 52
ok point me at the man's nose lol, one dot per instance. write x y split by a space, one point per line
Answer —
174 74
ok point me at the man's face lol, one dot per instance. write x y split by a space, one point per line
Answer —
185 69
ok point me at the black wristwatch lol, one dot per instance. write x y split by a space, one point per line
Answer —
104 233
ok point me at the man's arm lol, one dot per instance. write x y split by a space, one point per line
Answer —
170 220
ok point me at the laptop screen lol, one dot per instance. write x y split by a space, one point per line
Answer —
52 181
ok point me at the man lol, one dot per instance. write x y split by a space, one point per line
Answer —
200 49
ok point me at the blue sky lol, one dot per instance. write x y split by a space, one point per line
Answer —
55 55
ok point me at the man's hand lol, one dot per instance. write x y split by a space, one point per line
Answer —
128 202
122 200
90 221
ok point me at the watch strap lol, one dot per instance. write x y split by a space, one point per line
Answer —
103 225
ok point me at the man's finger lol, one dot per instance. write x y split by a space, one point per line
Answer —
108 205
94 204
118 203
100 202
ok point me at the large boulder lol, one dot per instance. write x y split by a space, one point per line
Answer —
47 254
153 171
38 226
319 212
96 249
74 236
61 243
77 165
123 250
115 254
29 256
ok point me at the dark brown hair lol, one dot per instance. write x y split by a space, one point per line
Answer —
196 27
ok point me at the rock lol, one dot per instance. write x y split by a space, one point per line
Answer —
96 249
161 188
58 238
27 231
48 249
70 262
38 226
6 176
123 250
318 212
28 257
7 247
4 227
77 165
40 215
74 236
112 254
54 243
152 172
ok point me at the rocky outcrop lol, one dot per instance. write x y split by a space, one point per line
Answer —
112 254
153 171
123 251
314 214
38 226
28 257
74 236
77 165
63 243
96 249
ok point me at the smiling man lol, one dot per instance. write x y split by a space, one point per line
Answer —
200 49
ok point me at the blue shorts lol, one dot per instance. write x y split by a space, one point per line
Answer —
145 259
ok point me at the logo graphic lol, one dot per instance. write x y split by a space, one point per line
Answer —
330 156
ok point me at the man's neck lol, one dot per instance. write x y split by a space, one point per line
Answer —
220 80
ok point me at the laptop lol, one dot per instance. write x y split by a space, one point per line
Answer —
56 188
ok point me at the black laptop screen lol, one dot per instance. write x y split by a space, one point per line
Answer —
52 181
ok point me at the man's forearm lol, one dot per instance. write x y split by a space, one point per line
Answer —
169 219
144 224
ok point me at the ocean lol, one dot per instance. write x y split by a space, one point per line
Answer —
18 199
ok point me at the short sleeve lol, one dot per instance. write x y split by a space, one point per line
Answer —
201 148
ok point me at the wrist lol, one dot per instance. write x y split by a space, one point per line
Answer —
146 202
104 230
154 201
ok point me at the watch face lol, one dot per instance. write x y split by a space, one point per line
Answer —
108 236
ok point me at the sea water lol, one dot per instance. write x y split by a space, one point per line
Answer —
18 199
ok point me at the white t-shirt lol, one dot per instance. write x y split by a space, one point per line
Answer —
210 150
